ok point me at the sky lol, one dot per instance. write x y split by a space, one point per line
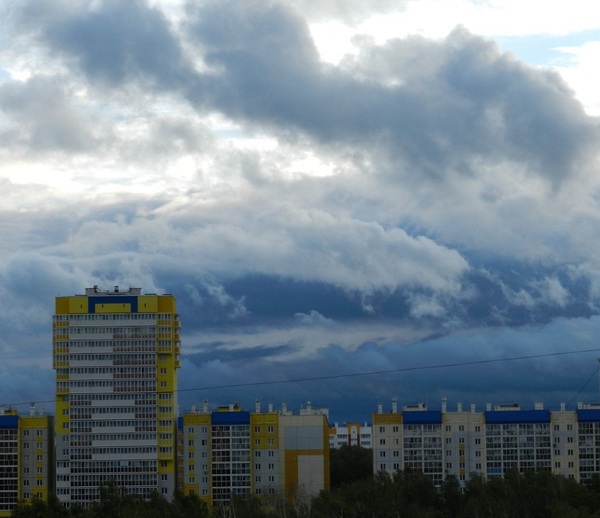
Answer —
351 201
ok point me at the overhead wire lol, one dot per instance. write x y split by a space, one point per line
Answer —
370 373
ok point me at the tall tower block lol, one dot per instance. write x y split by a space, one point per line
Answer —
116 355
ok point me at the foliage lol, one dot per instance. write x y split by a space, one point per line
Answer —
349 464
407 494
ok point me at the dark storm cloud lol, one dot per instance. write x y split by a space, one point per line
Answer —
115 42
465 105
470 367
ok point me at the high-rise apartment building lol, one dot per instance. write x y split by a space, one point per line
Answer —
116 355
26 458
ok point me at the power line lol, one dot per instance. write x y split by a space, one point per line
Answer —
585 384
389 371
373 373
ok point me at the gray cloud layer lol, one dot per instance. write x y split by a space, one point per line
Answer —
460 189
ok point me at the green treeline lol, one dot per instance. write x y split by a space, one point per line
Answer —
356 493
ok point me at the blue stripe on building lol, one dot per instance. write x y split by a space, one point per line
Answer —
9 421
517 416
588 415
228 418
119 299
422 417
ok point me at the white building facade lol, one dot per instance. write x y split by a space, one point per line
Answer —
488 443
115 354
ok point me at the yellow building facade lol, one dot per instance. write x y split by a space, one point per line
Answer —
26 458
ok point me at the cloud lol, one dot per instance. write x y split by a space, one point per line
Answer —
421 200
44 119
115 42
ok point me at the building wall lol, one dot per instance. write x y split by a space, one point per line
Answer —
266 458
232 452
488 443
37 457
26 459
116 355
9 462
350 434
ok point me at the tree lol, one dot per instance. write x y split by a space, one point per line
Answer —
349 464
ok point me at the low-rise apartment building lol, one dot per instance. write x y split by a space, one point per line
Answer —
464 441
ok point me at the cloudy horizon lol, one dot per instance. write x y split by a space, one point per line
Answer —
329 189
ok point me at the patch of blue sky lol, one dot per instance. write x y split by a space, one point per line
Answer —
544 49
231 133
